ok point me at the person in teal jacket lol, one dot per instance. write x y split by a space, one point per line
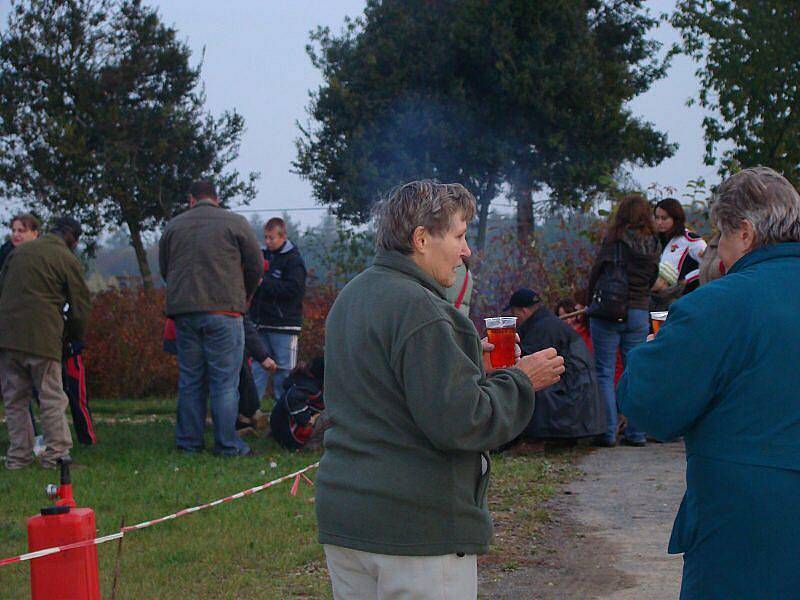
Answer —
724 372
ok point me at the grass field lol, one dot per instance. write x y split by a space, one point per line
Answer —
261 546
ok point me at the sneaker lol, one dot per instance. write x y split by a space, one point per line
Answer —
39 446
602 441
55 464
15 466
634 443
246 431
260 419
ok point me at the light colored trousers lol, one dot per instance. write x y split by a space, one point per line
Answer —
21 373
357 575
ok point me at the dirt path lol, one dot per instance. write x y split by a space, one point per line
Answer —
609 530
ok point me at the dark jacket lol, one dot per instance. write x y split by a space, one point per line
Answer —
722 372
413 414
292 419
210 259
5 250
572 407
38 279
640 254
253 346
278 304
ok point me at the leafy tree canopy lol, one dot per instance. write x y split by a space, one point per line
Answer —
101 117
749 69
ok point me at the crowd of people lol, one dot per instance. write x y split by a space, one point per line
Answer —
406 394
237 312
416 406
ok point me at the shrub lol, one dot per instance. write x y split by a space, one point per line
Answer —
556 266
124 356
316 304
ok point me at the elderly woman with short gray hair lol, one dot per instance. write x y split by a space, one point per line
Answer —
736 344
401 489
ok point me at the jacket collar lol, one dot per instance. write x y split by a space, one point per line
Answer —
57 238
540 314
206 202
391 259
781 250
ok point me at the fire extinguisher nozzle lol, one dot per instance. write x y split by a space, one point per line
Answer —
65 462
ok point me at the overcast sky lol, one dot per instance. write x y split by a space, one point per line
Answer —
255 62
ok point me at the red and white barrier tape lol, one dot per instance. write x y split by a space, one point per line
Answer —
297 476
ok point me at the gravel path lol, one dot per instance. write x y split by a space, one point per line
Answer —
609 531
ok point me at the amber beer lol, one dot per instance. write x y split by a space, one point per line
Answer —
502 332
658 318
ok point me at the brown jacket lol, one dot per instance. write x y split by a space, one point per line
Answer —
38 280
210 259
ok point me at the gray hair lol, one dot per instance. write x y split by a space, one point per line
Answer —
419 204
765 199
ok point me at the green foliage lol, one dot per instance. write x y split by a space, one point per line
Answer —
101 116
483 93
749 57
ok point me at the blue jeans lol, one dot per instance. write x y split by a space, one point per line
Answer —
607 336
210 351
282 347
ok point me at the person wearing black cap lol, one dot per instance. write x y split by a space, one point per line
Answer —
38 280
570 408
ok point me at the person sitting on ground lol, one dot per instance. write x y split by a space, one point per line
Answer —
295 415
571 408
249 402
682 250
735 343
579 322
250 416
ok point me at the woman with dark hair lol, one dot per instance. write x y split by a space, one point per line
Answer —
619 288
682 250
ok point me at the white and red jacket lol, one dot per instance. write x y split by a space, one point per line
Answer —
682 255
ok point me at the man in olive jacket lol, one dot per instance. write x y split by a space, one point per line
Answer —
211 262
40 278
401 489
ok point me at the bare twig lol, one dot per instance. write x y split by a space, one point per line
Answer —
117 561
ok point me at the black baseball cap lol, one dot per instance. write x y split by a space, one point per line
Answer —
522 298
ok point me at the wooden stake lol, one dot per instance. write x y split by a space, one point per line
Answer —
117 561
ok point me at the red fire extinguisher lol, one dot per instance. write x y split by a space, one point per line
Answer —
72 574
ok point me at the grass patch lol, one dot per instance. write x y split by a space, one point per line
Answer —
261 546
255 547
519 489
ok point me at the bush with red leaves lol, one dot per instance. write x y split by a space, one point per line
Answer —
123 355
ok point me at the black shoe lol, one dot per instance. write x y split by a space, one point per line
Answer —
634 443
603 442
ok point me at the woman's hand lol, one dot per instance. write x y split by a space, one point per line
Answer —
487 349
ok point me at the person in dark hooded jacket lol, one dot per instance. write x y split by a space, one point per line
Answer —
277 309
571 408
295 415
